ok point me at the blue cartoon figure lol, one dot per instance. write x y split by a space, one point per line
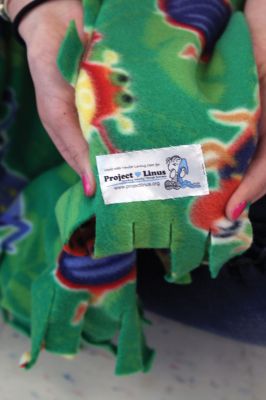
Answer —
178 168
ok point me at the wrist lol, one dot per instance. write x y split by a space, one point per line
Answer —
14 6
51 14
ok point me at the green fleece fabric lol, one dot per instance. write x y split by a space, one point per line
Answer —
175 88
153 75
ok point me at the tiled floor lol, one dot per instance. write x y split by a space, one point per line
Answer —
190 364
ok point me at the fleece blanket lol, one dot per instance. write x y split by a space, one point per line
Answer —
154 74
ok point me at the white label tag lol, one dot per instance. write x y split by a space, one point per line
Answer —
156 174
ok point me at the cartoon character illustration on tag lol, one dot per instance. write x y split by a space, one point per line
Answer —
178 168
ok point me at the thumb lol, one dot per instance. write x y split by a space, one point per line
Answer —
253 185
62 125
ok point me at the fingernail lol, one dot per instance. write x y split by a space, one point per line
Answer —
87 185
238 210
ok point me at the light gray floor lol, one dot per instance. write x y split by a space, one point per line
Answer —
190 364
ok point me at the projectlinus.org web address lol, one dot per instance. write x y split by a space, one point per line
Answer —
137 185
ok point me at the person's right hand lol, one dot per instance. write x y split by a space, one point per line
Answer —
43 30
253 185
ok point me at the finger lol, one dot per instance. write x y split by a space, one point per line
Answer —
56 108
253 185
62 124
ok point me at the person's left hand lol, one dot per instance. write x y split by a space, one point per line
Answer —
253 185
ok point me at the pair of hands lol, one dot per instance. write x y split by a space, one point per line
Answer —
43 30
